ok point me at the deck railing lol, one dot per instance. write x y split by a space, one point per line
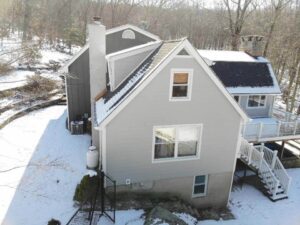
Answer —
287 124
268 164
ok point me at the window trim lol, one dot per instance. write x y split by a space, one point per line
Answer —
176 158
256 107
189 84
205 189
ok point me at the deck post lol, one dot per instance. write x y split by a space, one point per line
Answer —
278 128
295 128
250 155
260 129
262 145
261 159
276 188
274 159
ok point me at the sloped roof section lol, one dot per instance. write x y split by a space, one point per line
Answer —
241 73
111 100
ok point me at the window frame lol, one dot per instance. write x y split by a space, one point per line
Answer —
259 106
205 188
176 157
189 84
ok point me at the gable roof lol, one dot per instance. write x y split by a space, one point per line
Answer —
137 29
109 31
110 101
242 73
109 106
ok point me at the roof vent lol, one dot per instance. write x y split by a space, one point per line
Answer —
252 44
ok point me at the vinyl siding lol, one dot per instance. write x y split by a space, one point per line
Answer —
129 143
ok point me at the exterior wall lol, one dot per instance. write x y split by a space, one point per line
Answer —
129 136
257 112
115 42
218 187
123 67
78 87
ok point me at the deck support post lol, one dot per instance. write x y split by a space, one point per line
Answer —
261 159
282 149
295 128
278 128
250 155
260 130
274 159
262 147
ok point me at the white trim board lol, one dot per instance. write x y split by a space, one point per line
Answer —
176 158
146 80
189 84
109 31
135 28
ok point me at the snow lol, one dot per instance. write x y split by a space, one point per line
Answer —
231 56
103 109
248 205
40 166
16 78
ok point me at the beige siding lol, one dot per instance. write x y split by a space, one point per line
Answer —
257 112
129 135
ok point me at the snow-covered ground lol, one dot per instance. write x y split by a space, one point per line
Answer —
40 166
41 163
249 206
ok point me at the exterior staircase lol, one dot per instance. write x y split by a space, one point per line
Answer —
270 170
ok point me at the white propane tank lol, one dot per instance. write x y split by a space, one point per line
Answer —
92 157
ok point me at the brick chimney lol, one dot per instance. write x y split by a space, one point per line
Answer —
252 44
97 52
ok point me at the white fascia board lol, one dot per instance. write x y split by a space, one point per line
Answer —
146 80
191 50
111 58
137 29
65 67
132 51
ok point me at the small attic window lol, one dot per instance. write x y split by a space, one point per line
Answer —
183 52
128 34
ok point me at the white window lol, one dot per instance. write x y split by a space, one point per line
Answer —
256 101
181 84
200 185
176 142
128 34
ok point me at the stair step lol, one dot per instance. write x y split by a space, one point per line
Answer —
279 197
279 190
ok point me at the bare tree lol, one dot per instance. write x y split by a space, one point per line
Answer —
237 12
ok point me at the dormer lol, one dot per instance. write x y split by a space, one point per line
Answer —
122 63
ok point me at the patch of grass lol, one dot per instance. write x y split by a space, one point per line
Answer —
4 68
86 188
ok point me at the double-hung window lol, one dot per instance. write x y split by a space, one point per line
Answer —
181 84
200 185
177 142
256 101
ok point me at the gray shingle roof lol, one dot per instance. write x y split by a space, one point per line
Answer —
111 100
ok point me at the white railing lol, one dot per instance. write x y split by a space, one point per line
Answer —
283 115
281 174
268 164
286 124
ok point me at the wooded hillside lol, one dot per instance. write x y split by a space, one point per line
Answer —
208 25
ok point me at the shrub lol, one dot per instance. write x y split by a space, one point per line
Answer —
54 222
86 188
4 68
39 84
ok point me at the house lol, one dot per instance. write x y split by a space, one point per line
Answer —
167 117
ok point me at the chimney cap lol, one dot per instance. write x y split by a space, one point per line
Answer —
97 19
